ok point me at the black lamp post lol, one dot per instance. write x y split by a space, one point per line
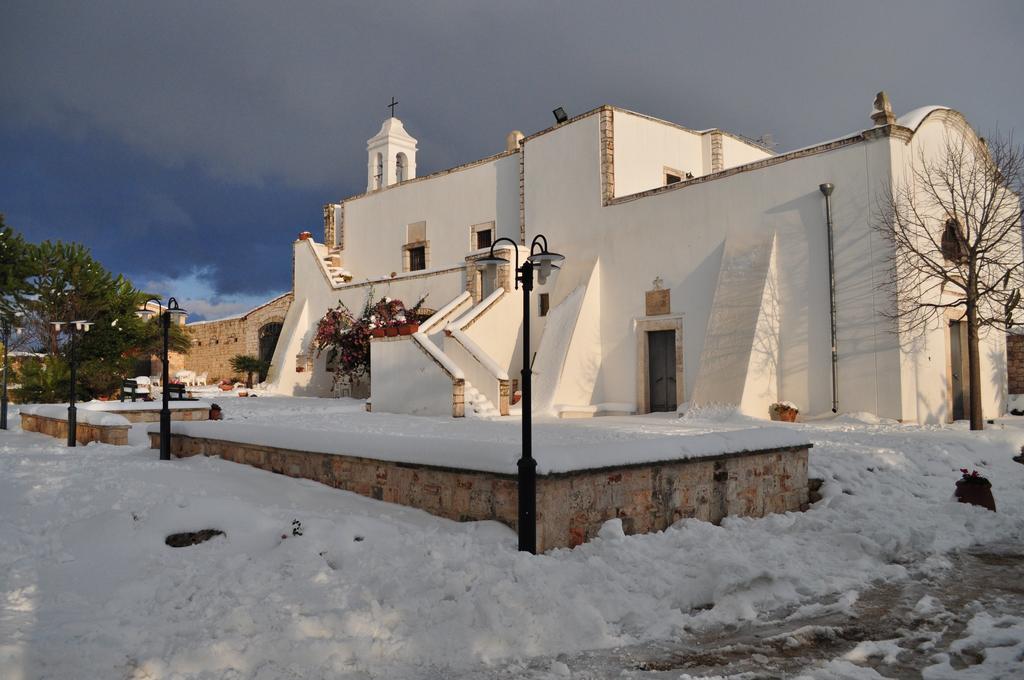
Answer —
147 313
6 330
73 327
544 262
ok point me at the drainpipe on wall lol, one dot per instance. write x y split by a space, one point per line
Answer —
826 189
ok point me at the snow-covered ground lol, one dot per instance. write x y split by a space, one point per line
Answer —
371 590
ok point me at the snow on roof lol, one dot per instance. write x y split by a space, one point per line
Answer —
911 119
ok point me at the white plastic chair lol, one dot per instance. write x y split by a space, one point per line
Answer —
145 385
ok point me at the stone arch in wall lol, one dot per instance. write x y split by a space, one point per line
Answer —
268 335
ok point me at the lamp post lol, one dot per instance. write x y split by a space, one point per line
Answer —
6 330
543 261
147 313
73 327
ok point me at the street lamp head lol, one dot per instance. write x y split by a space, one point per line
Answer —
83 326
145 313
545 261
57 325
176 313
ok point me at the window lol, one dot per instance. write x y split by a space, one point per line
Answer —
545 303
378 172
481 235
417 258
674 176
954 244
483 239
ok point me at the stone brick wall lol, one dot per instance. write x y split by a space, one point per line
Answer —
215 342
1015 363
570 507
84 432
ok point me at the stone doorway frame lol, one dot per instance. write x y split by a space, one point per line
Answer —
951 317
642 326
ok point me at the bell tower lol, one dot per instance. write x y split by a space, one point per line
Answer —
391 154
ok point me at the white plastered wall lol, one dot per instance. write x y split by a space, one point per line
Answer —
314 295
376 224
645 147
679 233
925 355
737 152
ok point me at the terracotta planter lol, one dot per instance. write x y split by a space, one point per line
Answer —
305 235
103 398
787 415
216 413
391 331
408 328
377 332
227 388
976 493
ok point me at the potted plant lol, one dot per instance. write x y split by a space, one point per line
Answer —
974 489
783 410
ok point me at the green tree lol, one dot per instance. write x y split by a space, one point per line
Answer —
43 382
65 283
15 270
248 364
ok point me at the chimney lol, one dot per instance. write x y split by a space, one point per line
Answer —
882 113
513 140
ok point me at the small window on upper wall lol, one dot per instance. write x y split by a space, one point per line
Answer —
481 236
417 258
483 239
674 175
544 303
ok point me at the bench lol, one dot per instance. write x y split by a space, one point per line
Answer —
175 391
130 388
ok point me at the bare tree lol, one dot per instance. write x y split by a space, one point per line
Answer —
954 225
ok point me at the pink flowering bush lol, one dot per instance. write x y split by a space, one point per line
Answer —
347 336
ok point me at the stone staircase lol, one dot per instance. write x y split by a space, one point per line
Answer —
332 261
477 404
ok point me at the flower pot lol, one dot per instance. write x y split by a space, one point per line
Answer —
786 415
305 235
103 398
391 331
377 332
227 388
408 328
976 493
216 413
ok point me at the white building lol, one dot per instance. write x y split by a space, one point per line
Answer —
696 271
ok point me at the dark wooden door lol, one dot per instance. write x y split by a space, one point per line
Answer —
268 343
661 379
956 364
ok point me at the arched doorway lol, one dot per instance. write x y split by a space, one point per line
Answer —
269 333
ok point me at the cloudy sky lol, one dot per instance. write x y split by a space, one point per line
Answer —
187 143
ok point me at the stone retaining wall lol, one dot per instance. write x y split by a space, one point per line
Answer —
84 432
570 507
190 413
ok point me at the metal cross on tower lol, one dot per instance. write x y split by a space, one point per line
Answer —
392 106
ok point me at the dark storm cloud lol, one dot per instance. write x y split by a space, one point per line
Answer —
215 131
